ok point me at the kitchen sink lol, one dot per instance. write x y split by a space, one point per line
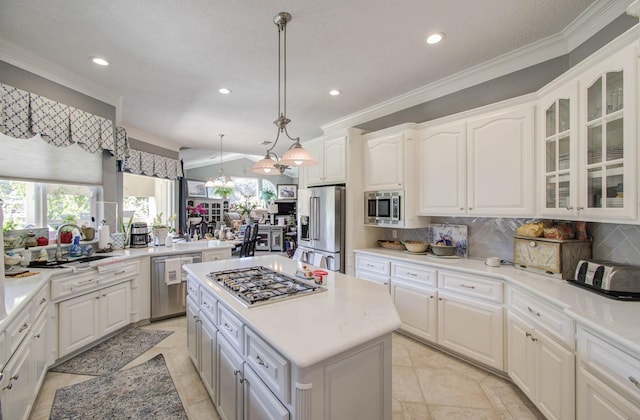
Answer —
67 261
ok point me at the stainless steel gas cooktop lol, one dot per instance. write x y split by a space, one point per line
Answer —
259 285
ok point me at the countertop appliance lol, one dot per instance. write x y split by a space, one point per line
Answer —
617 281
321 227
254 286
384 208
139 235
168 298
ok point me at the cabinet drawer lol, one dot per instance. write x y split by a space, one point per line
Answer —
376 265
477 287
209 305
40 301
543 315
116 272
18 329
268 364
231 327
412 272
614 366
192 289
74 284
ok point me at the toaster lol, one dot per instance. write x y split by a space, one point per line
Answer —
607 276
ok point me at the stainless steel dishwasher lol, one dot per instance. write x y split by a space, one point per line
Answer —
168 300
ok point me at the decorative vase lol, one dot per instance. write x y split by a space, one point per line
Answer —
160 234
195 220
117 240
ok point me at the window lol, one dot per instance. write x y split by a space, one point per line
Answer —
146 197
246 190
30 205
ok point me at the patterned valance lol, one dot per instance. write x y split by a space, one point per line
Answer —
144 163
24 114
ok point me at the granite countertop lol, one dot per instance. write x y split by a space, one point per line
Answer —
19 291
309 329
614 319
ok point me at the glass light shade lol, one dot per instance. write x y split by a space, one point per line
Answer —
209 183
264 166
298 156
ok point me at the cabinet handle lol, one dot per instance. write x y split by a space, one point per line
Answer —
580 208
533 338
569 208
468 287
634 381
439 298
430 297
261 362
23 327
533 312
461 208
119 272
470 208
43 300
413 274
104 295
196 317
370 265
10 384
527 334
227 327
36 336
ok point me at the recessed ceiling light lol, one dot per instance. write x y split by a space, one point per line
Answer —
99 61
434 38
334 92
224 91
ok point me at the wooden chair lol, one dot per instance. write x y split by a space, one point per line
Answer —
246 243
252 242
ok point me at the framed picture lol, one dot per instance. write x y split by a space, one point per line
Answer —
196 188
287 191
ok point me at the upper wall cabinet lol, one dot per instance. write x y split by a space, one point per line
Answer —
587 143
384 161
332 162
481 166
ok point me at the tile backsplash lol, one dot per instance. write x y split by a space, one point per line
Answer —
493 237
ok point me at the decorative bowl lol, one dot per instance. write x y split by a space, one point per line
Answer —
12 259
443 250
416 246
397 245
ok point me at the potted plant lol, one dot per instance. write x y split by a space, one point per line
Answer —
223 192
268 195
161 228
196 213
66 234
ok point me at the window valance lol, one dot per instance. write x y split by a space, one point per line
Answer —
24 114
145 163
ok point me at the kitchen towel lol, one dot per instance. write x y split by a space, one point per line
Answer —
320 261
183 261
172 271
297 256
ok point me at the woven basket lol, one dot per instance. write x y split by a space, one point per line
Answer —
397 245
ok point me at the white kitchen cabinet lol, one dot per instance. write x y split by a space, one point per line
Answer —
384 161
193 331
331 154
609 386
259 402
86 318
230 379
373 269
543 369
17 384
216 254
587 151
478 166
443 170
413 289
39 352
208 349
500 163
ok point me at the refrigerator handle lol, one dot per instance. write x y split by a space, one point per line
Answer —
315 212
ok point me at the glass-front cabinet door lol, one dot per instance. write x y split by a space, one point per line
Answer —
559 150
609 173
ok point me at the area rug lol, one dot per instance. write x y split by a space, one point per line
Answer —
145 391
114 353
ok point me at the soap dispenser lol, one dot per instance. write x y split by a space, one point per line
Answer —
76 249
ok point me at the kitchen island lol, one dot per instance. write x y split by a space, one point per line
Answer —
320 356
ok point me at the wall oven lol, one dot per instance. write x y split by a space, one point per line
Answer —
384 208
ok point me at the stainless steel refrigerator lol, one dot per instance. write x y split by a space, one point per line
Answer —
321 227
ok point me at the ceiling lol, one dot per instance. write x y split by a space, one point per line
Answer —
169 57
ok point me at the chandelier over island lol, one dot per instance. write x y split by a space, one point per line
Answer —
221 181
296 155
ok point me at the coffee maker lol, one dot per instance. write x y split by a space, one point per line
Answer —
139 235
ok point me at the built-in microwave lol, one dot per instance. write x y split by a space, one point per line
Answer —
384 208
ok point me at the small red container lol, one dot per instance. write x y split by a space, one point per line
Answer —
42 241
320 276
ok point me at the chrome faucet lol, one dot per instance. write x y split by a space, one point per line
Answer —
58 248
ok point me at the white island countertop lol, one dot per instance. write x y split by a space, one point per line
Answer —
311 328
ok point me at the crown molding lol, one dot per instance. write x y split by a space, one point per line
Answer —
25 60
582 28
634 9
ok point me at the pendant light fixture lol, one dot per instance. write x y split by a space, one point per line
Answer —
296 155
221 181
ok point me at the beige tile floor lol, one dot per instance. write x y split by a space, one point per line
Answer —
427 384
